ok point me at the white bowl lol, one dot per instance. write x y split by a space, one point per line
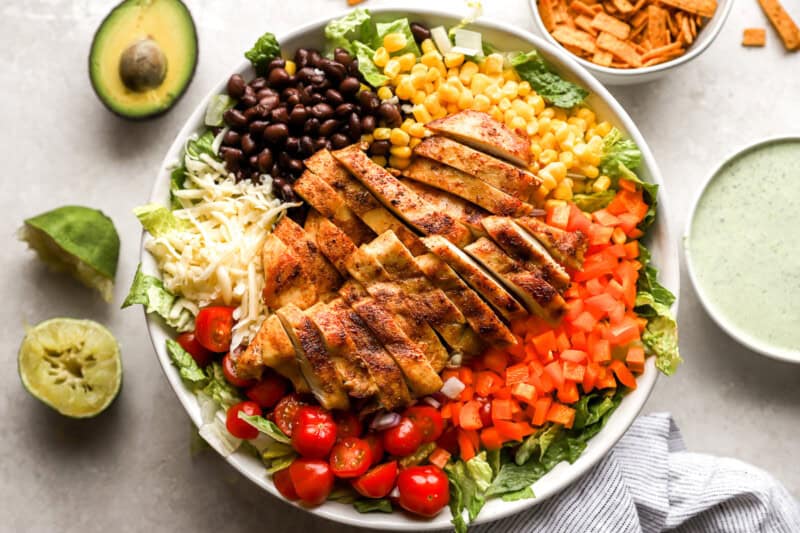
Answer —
633 76
664 249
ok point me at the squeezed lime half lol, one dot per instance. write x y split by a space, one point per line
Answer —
73 366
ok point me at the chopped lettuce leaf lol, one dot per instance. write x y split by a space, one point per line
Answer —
480 471
370 506
217 436
618 150
344 32
218 388
549 85
593 202
275 449
590 409
217 106
464 494
158 220
202 145
280 463
661 336
187 367
372 74
150 292
522 494
344 494
177 178
265 426
264 50
401 26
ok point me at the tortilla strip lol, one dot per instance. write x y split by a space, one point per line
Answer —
547 14
686 31
657 26
623 6
585 23
597 8
754 37
577 38
611 25
602 58
638 5
621 49
782 22
579 7
561 15
706 8
662 51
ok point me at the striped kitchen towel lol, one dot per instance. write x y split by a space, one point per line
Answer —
649 483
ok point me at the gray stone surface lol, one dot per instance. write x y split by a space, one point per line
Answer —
131 469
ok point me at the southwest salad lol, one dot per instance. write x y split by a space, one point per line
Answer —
234 280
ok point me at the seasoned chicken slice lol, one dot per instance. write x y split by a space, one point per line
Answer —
496 172
465 186
334 244
482 132
465 212
519 244
480 316
567 247
404 202
286 279
392 391
484 284
420 376
367 270
315 362
529 286
349 366
329 204
324 277
432 302
271 347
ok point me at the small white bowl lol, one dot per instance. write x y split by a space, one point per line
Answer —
742 337
661 243
633 76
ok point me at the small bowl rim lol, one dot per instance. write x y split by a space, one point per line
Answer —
640 71
740 336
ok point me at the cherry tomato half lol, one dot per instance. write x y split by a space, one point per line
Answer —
284 413
238 427
213 327
378 482
350 457
449 440
423 489
283 482
376 446
428 420
403 439
268 391
314 432
201 355
229 371
347 424
312 480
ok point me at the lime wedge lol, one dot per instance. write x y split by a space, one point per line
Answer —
71 365
78 240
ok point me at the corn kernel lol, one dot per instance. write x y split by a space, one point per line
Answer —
510 74
481 102
479 83
590 171
548 180
453 60
382 134
380 57
452 108
432 75
427 46
392 68
578 123
432 103
384 93
417 81
504 104
601 184
430 87
417 130
431 59
548 156
405 90
421 114
537 102
290 67
419 97
440 113
524 89
517 123
550 204
399 163
508 116
493 64
532 128
447 93
495 113
414 142
394 42
367 138
403 152
407 123
568 158
465 99
603 128
536 149
494 93
398 137
510 90
548 141
407 61
548 113
379 160
562 192
557 169
468 69
419 69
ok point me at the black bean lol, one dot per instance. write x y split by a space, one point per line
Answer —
301 57
368 124
322 111
249 98
349 86
341 55
278 62
287 193
296 167
276 172
231 138
334 97
352 68
320 83
267 104
329 127
369 102
305 95
276 133
248 144
257 127
278 78
420 32
321 143
280 114
251 113
311 126
288 92
335 71
314 58
355 127
380 147
236 85
306 146
391 114
232 157
316 98
253 160
278 181
283 160
298 116
293 100
258 83
305 74
345 109
339 140
292 145
234 118
264 160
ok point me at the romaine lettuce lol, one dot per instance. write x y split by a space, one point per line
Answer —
355 26
264 50
549 85
401 26
150 292
372 74
157 220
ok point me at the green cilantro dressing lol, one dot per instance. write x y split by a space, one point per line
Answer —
744 245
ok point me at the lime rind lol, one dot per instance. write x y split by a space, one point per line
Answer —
73 366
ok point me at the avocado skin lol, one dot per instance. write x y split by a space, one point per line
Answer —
104 96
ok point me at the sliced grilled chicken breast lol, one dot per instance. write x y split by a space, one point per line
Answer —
481 132
567 247
520 245
416 368
404 202
478 314
286 279
349 366
329 204
529 286
271 347
334 244
496 172
483 283
325 278
465 212
432 302
465 186
315 362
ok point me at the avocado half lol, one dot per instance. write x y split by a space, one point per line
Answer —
143 57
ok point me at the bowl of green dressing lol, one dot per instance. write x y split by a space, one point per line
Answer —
742 246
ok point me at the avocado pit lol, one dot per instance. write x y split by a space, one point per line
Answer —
143 65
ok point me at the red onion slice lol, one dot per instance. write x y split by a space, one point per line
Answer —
385 421
433 402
